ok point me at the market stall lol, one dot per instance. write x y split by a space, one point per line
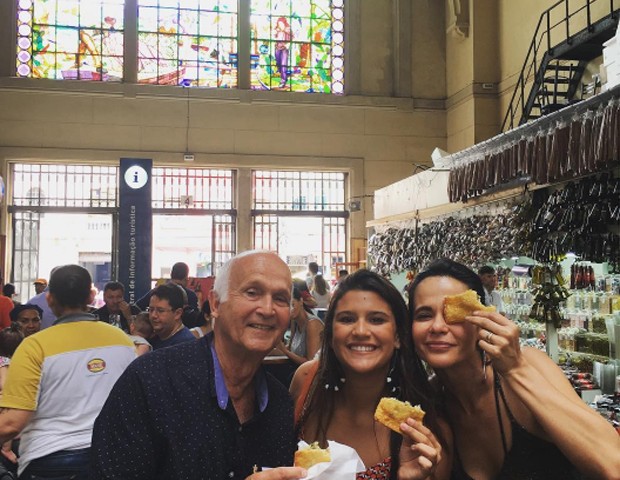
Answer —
542 204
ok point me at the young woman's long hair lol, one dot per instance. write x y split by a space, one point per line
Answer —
408 369
320 285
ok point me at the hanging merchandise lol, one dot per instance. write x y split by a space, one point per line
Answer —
469 240
586 143
577 219
549 292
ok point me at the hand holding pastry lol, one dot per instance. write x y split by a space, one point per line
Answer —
392 412
499 338
420 452
457 307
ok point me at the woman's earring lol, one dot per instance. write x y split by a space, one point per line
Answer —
391 380
484 365
336 385
335 379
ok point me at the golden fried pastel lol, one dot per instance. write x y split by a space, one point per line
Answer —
457 307
391 412
311 455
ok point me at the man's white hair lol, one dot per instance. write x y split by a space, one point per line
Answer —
222 279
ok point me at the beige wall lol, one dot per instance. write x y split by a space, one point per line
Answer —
453 96
375 136
484 65
517 25
428 50
377 26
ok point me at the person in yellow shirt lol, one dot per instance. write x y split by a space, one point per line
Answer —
59 379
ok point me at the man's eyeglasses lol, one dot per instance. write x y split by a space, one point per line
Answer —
158 310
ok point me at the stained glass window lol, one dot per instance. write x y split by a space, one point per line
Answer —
70 39
297 45
188 42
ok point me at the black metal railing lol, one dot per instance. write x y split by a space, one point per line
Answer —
555 26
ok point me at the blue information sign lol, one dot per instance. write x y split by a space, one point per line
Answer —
135 239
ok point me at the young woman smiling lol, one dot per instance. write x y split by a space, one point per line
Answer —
367 354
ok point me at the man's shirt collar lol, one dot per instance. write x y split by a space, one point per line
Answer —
260 383
76 317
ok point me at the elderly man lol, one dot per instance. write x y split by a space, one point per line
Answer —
116 310
27 317
58 380
165 312
206 409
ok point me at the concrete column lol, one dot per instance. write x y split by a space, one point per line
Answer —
353 53
8 41
243 45
244 206
402 47
130 45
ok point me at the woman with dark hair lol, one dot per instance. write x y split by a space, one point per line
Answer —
320 291
10 338
367 354
306 330
204 323
512 411
306 296
9 291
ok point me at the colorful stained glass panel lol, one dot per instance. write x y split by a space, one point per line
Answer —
298 45
189 43
70 39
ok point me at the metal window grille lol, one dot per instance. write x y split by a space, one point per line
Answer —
25 252
193 188
224 235
334 241
278 194
298 191
266 232
85 186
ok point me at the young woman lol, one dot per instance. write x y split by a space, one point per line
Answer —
367 354
320 291
513 413
205 322
306 331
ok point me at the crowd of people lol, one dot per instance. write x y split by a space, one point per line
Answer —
166 390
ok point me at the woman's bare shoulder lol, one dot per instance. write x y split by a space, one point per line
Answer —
300 376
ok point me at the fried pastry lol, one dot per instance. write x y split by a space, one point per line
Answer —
391 412
311 455
457 307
